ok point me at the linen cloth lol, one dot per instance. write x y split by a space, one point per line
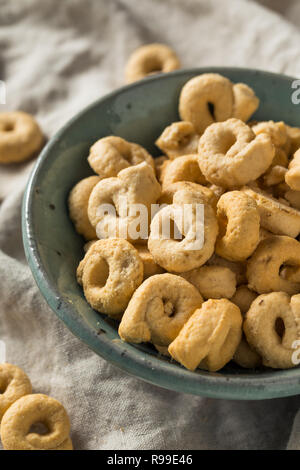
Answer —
56 57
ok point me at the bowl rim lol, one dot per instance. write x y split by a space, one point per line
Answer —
150 369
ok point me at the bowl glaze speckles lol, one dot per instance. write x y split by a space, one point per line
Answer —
139 113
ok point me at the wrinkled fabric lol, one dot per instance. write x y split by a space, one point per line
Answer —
56 57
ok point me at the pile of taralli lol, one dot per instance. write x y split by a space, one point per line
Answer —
235 298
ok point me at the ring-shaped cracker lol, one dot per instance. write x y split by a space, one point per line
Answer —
30 410
186 249
264 266
180 138
272 326
210 337
213 282
206 99
245 101
207 194
158 310
150 59
78 206
120 207
231 155
275 216
14 384
109 155
185 168
292 176
20 137
239 224
110 273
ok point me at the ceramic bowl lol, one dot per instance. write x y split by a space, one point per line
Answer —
138 113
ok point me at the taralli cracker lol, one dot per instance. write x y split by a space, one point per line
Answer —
210 98
237 267
180 254
88 245
276 130
279 137
160 164
150 59
276 217
78 206
272 328
239 224
243 298
206 194
263 234
294 136
217 190
158 310
163 350
109 155
263 270
275 175
178 139
245 102
30 410
110 272
14 384
185 168
118 197
200 92
231 155
210 337
280 158
191 193
213 282
150 267
245 356
292 176
20 137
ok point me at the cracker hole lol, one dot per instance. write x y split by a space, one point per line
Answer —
154 65
282 271
228 140
279 327
223 222
8 127
175 233
39 428
169 308
211 109
99 273
289 272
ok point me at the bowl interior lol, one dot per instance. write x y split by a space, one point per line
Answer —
138 113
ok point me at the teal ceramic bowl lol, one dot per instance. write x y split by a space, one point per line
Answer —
139 113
